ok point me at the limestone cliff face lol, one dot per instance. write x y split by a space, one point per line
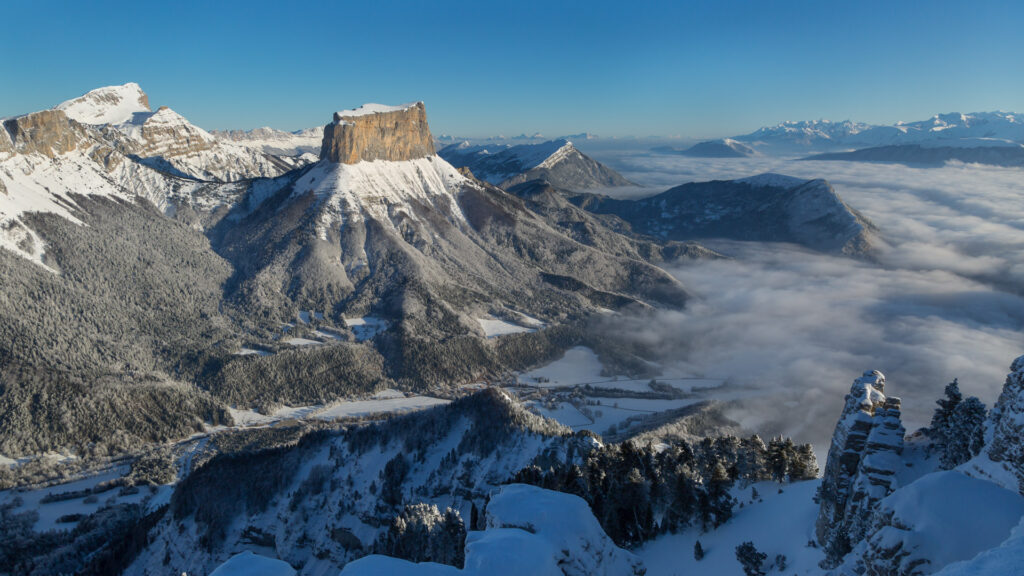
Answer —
378 133
861 467
1006 425
6 146
48 132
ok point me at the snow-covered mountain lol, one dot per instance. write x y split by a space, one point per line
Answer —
383 223
168 141
768 207
46 158
556 161
941 130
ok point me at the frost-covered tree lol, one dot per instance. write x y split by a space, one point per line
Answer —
964 433
751 560
944 413
422 533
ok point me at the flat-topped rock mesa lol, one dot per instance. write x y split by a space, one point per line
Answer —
378 132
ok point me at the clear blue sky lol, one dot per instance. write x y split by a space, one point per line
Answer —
632 67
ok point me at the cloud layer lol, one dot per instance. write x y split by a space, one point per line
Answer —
943 300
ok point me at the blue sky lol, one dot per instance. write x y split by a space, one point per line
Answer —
694 69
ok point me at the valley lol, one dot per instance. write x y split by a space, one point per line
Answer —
362 349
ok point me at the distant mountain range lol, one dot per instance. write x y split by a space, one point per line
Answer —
955 130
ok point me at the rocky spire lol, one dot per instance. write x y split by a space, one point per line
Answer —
377 132
1005 426
861 466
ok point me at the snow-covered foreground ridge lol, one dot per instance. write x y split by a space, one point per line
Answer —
528 530
890 505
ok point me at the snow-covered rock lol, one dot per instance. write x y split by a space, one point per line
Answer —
249 564
863 460
1002 459
529 530
941 518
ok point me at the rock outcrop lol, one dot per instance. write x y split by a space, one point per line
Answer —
1004 445
941 518
376 132
861 467
48 132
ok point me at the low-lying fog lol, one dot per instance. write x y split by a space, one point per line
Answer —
942 301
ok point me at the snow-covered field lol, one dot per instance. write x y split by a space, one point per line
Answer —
580 366
366 327
494 327
782 523
385 401
87 503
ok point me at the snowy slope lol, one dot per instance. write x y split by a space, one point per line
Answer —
249 564
382 190
1005 559
528 530
777 523
933 522
107 105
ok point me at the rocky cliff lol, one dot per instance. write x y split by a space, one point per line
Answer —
861 467
376 132
1004 443
49 132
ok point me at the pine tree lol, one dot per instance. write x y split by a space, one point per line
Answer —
940 419
964 433
698 551
751 560
720 502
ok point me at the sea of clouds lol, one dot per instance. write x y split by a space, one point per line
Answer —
942 298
